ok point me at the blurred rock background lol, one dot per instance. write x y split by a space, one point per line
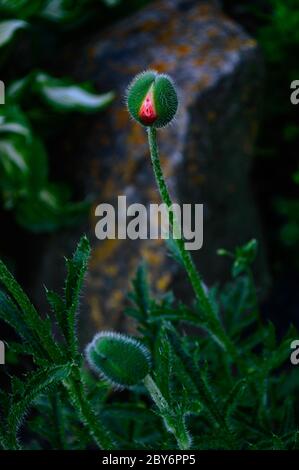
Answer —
210 155
206 153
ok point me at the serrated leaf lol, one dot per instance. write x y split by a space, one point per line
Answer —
163 363
13 317
141 293
174 251
37 383
59 309
231 400
205 394
244 257
77 267
38 327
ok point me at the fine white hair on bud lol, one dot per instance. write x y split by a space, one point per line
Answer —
152 99
120 359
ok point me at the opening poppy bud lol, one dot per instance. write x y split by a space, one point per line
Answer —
152 99
121 360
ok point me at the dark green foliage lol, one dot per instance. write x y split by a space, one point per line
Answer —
58 365
57 11
275 25
289 209
277 35
24 394
35 106
279 39
201 396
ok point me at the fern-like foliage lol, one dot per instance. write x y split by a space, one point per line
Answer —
201 396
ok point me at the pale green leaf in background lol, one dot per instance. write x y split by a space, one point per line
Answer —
8 29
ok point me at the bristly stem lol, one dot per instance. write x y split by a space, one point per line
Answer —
97 430
173 422
210 316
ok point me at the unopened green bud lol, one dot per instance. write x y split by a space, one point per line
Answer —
120 359
152 99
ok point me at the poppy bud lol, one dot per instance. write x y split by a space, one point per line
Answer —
120 359
152 99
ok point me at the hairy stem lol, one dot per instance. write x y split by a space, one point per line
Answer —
210 317
173 423
97 430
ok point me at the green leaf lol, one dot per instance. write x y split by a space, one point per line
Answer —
12 157
205 394
21 8
165 312
36 384
23 162
38 327
60 11
173 250
163 363
10 313
14 121
8 29
17 89
141 293
77 267
244 256
48 210
59 309
296 175
62 95
232 398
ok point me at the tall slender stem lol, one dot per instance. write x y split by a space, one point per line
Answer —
210 317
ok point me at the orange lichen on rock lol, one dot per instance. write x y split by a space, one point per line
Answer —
104 251
163 282
161 67
233 43
95 311
183 49
110 270
136 135
116 298
152 256
205 10
108 188
150 25
128 170
121 118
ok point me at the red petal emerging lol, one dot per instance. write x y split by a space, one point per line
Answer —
147 111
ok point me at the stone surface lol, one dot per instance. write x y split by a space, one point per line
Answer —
206 153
